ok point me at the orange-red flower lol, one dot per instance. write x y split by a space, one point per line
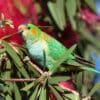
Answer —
67 85
88 16
12 13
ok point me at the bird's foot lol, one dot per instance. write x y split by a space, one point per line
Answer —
46 74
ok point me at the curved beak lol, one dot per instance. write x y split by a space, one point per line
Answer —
22 28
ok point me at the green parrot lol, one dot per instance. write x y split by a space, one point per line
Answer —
45 50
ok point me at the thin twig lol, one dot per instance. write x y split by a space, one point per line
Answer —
18 79
27 58
36 67
8 36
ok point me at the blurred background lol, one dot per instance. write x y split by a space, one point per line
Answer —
68 21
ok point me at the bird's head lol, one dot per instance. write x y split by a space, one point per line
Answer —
28 27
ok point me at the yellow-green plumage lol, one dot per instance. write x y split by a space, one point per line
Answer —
44 49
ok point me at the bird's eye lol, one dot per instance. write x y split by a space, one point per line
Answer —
28 28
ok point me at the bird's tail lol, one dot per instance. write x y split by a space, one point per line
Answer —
79 63
83 61
87 65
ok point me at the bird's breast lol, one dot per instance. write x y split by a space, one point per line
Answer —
36 51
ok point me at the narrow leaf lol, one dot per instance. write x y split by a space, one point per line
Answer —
28 86
58 88
83 67
57 95
88 35
79 81
33 96
57 11
91 4
2 50
17 92
43 94
90 69
8 69
57 79
15 58
95 88
8 97
71 96
71 8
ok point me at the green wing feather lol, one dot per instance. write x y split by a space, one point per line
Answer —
55 50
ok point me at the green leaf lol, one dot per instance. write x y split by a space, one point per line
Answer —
78 2
2 51
34 94
88 36
8 97
43 94
57 79
57 11
79 81
38 93
91 4
95 88
69 51
57 95
8 69
71 96
12 53
58 88
71 8
15 58
89 69
1 86
84 91
83 67
17 92
28 86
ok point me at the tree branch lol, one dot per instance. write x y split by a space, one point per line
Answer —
18 80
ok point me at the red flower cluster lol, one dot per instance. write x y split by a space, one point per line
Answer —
67 85
31 13
68 37
88 16
52 96
10 11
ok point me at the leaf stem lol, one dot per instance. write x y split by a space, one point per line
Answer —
33 65
18 79
36 67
